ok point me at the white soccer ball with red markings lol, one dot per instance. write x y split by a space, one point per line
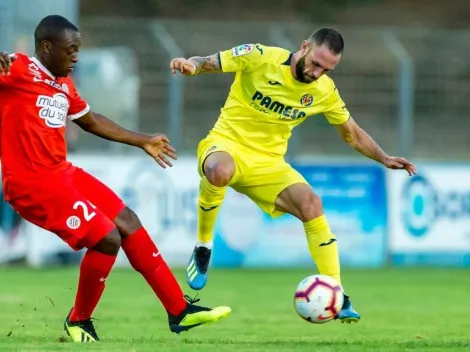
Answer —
318 298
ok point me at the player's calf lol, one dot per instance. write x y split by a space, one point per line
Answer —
94 270
219 168
300 201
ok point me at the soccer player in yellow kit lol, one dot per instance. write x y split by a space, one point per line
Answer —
274 90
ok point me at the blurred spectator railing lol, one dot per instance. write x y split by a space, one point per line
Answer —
405 100
409 88
175 84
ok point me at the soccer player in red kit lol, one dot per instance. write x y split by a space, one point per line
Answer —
36 97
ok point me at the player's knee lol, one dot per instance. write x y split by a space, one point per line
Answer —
220 174
310 206
127 222
110 244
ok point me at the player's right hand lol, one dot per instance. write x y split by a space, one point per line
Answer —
398 163
158 147
5 63
183 66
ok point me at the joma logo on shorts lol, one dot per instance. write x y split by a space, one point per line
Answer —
285 112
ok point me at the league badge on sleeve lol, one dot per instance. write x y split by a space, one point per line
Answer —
242 50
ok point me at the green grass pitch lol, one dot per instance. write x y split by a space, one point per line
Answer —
402 310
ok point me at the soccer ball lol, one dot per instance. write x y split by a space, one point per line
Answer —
318 298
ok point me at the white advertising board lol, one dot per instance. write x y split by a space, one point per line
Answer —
429 216
164 200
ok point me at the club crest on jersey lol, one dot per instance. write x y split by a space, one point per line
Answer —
306 100
65 88
53 109
242 50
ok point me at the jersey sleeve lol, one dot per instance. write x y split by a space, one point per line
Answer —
4 80
241 58
78 105
336 112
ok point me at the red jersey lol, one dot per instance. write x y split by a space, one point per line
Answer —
34 106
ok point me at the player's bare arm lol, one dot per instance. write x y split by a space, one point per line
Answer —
157 146
5 62
360 140
206 64
196 65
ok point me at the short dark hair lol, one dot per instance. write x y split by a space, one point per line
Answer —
51 28
330 37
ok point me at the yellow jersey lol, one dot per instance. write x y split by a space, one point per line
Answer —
266 102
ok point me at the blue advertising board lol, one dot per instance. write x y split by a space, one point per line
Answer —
355 203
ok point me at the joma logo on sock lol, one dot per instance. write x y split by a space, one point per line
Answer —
208 209
330 241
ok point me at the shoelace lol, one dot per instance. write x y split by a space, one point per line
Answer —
191 300
192 308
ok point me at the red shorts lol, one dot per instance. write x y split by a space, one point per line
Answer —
72 204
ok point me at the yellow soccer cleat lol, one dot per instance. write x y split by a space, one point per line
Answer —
80 331
194 316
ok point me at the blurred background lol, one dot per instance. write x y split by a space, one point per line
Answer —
405 76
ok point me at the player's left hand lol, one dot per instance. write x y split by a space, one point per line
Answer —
398 163
159 147
5 63
183 66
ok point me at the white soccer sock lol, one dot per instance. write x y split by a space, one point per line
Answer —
207 245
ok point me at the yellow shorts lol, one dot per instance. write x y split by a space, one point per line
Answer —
260 177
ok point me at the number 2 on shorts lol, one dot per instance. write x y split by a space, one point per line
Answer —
87 214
